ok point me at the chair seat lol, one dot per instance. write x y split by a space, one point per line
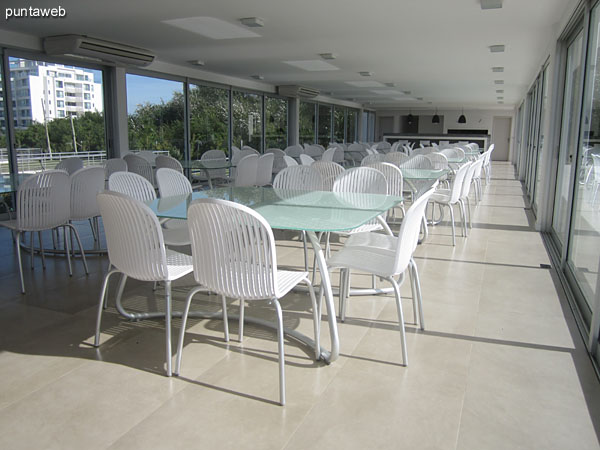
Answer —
373 240
11 224
377 261
362 229
176 236
287 280
441 196
178 264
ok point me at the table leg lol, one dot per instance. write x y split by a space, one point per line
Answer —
326 288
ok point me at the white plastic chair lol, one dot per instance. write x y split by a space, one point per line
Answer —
137 250
164 161
451 197
477 178
278 161
137 164
172 183
86 183
133 185
247 170
306 160
114 165
329 172
417 162
328 154
373 158
487 164
70 165
240 244
394 178
215 174
264 171
43 204
315 151
439 161
294 151
466 189
289 161
387 261
396 158
148 155
300 178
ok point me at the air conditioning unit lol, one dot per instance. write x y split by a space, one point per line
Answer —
297 91
73 44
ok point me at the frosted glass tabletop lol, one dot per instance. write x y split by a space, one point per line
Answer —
207 164
423 174
290 210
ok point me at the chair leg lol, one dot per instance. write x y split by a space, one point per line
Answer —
305 251
168 325
281 352
80 248
400 319
67 250
344 294
415 274
225 320
31 234
453 227
42 249
241 321
413 289
316 318
101 306
469 211
18 244
184 317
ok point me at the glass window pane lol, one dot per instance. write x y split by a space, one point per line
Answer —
351 125
209 119
324 125
568 139
338 124
48 130
155 114
583 253
307 121
276 111
247 120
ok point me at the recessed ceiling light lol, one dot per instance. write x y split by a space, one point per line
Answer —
491 4
212 28
366 84
390 84
386 92
499 91
327 55
498 81
419 98
197 62
366 74
496 48
258 77
498 69
407 92
500 102
253 22
499 98
312 65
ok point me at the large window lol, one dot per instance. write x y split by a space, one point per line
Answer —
247 120
339 124
324 125
209 119
46 130
276 124
351 127
306 122
155 113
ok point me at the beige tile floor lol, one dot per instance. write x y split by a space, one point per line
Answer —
500 365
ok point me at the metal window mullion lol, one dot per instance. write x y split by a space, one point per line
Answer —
10 131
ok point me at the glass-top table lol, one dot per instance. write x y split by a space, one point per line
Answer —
206 165
309 211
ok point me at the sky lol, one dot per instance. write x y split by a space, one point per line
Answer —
142 89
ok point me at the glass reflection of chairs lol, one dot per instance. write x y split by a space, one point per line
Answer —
241 246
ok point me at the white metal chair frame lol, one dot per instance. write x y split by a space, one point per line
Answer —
136 249
247 171
241 245
86 183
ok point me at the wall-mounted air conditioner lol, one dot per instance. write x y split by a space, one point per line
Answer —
297 91
73 44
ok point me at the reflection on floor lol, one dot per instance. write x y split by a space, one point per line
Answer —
500 365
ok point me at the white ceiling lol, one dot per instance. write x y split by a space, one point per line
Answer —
436 49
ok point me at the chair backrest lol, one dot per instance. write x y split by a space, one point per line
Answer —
393 176
300 178
373 158
278 161
306 160
139 165
172 182
417 162
329 171
240 246
457 182
133 185
114 165
247 147
247 170
383 147
264 171
478 166
86 183
328 154
70 165
214 155
168 162
466 187
134 239
42 201
148 155
294 151
289 161
242 154
408 236
396 158
438 160
339 155
365 180
315 151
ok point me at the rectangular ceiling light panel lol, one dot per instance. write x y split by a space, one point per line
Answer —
366 84
491 4
312 65
212 28
496 48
